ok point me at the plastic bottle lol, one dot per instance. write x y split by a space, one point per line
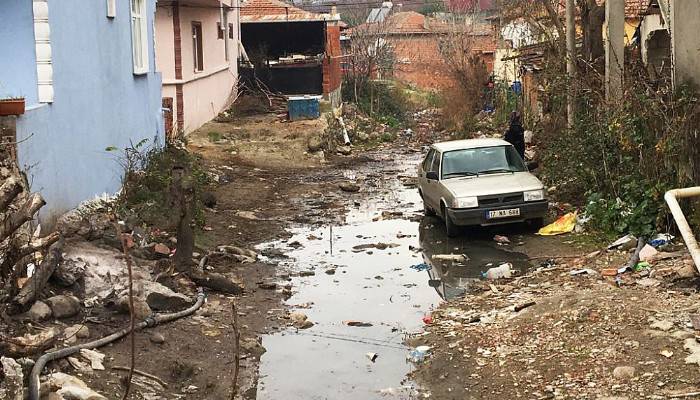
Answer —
502 271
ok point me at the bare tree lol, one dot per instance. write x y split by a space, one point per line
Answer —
370 56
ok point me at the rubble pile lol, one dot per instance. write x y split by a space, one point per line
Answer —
570 329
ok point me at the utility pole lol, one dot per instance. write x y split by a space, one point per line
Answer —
570 62
614 49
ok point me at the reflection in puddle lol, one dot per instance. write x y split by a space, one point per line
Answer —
362 272
452 279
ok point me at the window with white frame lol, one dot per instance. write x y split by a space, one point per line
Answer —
139 36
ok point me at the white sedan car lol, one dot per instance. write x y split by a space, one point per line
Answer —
479 182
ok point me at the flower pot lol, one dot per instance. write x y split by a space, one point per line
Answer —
11 106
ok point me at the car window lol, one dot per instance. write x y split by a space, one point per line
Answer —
483 160
435 165
428 160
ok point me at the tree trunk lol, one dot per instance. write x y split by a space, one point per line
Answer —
32 289
592 19
25 213
183 195
9 190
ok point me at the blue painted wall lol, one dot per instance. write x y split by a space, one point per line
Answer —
98 103
17 54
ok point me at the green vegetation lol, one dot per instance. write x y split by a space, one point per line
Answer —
383 100
620 159
146 187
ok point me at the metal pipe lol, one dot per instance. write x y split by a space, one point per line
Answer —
671 198
35 384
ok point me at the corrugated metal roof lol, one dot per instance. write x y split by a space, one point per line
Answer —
254 11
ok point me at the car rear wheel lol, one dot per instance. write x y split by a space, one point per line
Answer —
429 212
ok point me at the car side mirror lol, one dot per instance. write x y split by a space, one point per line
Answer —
432 175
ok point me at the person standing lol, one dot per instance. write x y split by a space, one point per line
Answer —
515 134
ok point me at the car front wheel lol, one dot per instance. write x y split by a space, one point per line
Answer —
451 229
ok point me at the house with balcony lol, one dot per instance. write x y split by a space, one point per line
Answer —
197 47
290 50
86 73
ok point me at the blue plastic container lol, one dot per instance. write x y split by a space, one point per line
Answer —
303 107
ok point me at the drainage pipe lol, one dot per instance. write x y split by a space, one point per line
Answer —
671 198
34 384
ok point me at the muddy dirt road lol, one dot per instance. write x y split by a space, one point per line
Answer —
366 279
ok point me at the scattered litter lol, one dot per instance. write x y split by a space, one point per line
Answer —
666 353
421 267
502 271
451 257
661 239
372 356
427 319
501 239
357 323
565 224
648 253
585 271
418 354
624 243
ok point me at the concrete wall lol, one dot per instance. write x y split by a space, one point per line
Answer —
505 70
17 55
208 92
685 38
98 103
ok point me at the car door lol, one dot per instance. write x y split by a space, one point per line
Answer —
423 169
432 186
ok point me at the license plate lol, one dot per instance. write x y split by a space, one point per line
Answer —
511 212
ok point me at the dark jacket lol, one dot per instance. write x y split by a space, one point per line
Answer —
515 135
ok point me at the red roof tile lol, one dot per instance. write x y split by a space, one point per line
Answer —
277 11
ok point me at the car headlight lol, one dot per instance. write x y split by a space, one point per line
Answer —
534 195
465 202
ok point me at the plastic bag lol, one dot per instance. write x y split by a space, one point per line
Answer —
565 224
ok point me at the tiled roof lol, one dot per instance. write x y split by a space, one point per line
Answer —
411 22
278 11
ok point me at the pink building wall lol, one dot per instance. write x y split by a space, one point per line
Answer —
204 93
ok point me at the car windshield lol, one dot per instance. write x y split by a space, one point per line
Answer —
482 160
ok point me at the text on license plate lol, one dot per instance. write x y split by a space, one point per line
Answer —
511 212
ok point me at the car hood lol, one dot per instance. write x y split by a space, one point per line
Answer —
485 185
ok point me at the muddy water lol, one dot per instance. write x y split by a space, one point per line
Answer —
390 281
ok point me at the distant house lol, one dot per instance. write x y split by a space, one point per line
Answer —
87 72
415 40
670 41
197 53
380 14
292 51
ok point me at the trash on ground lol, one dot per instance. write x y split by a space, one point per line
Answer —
421 267
357 323
418 354
504 270
427 319
501 239
565 224
661 239
648 253
624 243
585 271
372 356
451 257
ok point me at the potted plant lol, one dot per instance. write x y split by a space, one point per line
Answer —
12 106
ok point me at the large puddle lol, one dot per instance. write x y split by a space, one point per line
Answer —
376 268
